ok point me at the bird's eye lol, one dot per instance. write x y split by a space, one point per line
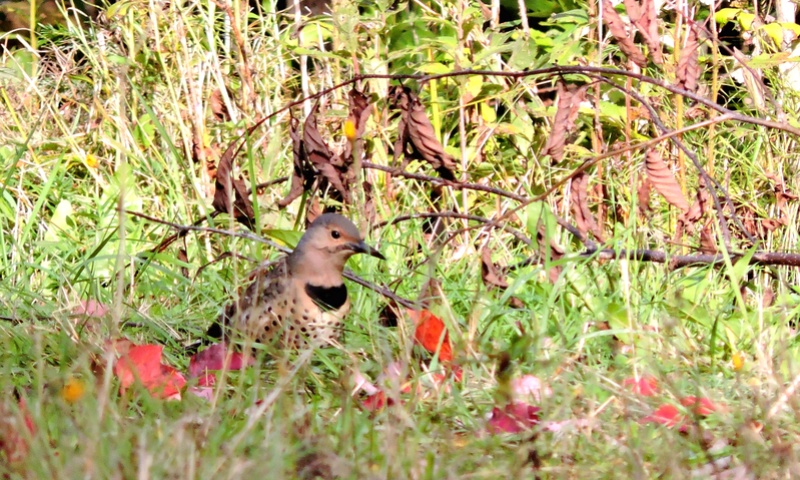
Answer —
335 234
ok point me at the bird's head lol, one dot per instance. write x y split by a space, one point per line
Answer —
327 244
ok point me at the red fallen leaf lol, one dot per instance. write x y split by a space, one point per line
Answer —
666 414
428 333
458 373
205 387
513 418
143 363
701 406
530 386
644 386
215 358
207 380
376 402
14 444
90 308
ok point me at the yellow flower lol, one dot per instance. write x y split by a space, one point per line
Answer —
350 130
73 390
738 361
91 161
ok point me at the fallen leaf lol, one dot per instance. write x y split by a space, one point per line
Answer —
530 386
490 274
217 357
430 332
142 363
666 414
644 386
376 402
513 418
14 439
701 406
361 383
90 308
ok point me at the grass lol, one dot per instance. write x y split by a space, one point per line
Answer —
115 116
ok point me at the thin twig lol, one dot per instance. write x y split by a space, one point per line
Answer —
250 236
513 231
454 184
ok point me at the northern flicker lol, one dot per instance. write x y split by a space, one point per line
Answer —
301 300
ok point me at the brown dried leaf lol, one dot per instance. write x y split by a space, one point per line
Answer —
768 297
320 156
688 67
416 137
516 302
768 225
664 181
489 272
579 193
782 194
708 244
226 187
644 17
218 107
569 101
643 195
368 211
617 28
550 250
303 174
313 211
356 119
698 208
184 257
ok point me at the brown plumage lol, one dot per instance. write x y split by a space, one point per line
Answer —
301 299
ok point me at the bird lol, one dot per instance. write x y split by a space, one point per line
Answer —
300 300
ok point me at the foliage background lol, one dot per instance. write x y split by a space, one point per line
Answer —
131 111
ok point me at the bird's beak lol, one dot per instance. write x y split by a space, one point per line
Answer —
362 247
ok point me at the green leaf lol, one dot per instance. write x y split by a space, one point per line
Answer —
774 31
746 21
767 60
726 15
435 68
58 222
290 238
539 215
741 266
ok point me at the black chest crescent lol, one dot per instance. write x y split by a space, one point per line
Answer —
328 298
